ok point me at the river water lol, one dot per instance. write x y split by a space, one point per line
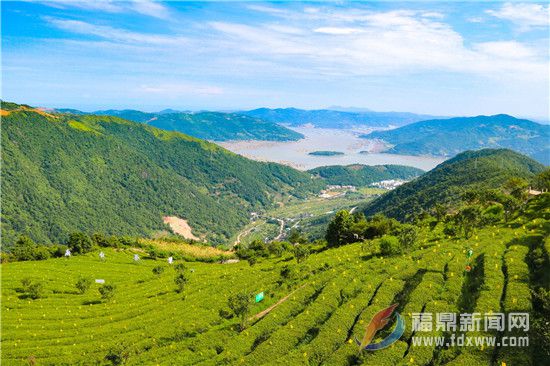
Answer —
295 153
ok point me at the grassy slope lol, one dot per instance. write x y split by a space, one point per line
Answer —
488 168
451 136
159 326
212 125
63 173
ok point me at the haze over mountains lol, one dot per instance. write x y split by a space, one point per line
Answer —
326 118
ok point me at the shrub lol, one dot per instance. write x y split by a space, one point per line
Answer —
26 283
158 270
83 284
389 245
493 214
226 314
107 291
450 229
180 280
301 252
252 260
407 236
179 267
80 243
118 354
35 290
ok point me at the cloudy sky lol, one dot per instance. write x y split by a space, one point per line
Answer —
444 58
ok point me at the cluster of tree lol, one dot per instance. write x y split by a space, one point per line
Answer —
363 175
297 244
346 228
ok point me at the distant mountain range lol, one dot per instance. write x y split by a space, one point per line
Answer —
326 118
448 137
470 170
215 126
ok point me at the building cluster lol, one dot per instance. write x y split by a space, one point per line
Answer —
388 184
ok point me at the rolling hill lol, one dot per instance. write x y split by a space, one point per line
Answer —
487 168
448 137
325 118
66 172
362 175
215 126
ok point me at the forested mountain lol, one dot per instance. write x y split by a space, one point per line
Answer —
65 172
325 118
210 125
445 184
449 137
363 175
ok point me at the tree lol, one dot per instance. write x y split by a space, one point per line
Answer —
296 237
83 284
389 245
240 306
24 248
301 252
338 230
408 235
439 212
468 219
516 187
379 225
180 280
80 243
276 248
542 180
107 291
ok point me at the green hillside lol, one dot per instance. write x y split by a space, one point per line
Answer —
362 175
311 313
449 137
64 172
446 183
211 125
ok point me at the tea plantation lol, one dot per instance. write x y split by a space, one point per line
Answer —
321 304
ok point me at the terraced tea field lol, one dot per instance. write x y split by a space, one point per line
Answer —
332 299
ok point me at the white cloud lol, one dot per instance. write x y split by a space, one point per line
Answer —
151 8
525 15
506 50
98 5
336 30
113 34
145 7
380 43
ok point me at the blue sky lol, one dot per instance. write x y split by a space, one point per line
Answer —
443 58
